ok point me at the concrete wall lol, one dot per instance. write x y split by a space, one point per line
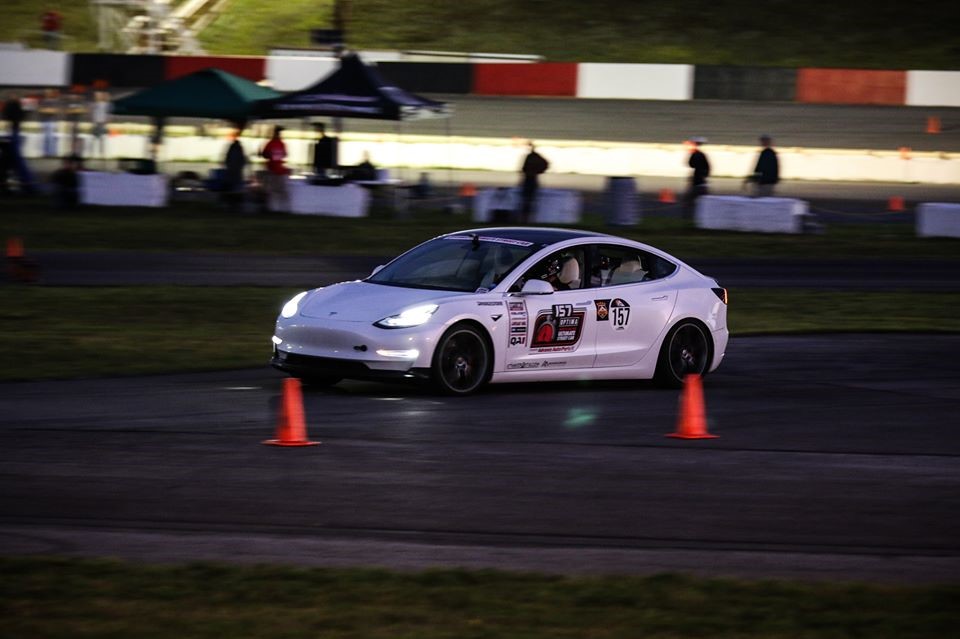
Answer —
474 75
933 88
635 81
565 156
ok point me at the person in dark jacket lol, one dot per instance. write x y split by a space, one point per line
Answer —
234 178
698 179
324 152
533 165
767 172
14 113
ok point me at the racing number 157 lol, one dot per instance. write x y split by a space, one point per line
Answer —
620 315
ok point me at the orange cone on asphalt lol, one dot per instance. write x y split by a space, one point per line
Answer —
692 420
291 425
933 124
667 196
19 267
14 248
896 204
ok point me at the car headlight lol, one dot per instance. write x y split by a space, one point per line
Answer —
411 317
290 308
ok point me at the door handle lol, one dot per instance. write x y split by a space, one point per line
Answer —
660 299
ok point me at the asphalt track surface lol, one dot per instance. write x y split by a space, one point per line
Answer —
837 458
721 121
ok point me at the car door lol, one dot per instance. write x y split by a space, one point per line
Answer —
633 298
554 330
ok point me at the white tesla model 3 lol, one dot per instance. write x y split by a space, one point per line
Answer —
510 305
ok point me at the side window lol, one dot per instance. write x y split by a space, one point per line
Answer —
563 269
613 265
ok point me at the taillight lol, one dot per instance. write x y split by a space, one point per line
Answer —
722 294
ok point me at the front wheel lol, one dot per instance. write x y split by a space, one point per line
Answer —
685 351
462 362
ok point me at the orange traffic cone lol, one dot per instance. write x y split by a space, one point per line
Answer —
896 204
692 420
14 248
933 124
291 426
19 266
667 196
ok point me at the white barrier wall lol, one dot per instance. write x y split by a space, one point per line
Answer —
933 88
938 219
583 158
752 215
635 81
32 68
293 74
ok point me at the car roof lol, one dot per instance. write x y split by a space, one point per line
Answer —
536 235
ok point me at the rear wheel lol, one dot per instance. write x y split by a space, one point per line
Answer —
462 361
685 351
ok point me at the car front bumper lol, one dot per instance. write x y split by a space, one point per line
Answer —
310 366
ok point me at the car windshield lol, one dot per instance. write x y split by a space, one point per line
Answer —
466 263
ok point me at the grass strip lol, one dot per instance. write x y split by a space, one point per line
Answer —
70 332
49 597
204 227
855 34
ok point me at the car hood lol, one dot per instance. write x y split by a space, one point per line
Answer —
366 302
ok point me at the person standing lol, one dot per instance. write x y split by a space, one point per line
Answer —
534 165
13 112
51 24
50 114
275 153
233 174
324 153
76 111
699 178
99 115
766 174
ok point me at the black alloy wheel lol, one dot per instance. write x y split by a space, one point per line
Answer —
685 351
462 360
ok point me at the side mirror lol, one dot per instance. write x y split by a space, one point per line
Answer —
536 287
376 270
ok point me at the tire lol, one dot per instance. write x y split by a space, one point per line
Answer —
685 351
463 360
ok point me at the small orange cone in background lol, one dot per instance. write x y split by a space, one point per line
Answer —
467 189
933 124
291 426
14 248
692 420
19 266
667 196
896 204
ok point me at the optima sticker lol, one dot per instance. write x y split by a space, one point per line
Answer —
558 329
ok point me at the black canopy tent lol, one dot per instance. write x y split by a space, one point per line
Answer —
354 90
